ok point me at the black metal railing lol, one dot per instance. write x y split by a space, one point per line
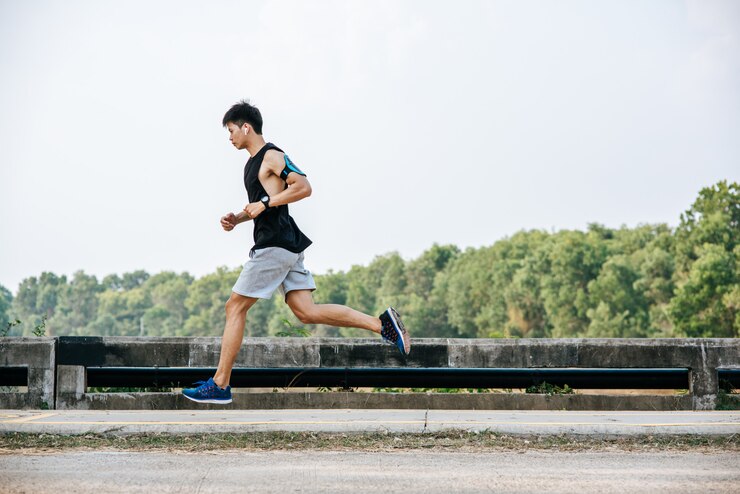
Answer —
635 378
14 376
394 377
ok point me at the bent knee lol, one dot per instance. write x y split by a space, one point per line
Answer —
305 316
237 304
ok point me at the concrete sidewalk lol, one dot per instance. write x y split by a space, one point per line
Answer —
121 422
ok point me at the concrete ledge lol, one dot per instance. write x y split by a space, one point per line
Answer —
66 359
14 400
351 400
132 351
38 354
701 356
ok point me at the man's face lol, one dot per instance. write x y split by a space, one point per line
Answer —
238 135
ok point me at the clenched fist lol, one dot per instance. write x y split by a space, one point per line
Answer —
228 221
254 209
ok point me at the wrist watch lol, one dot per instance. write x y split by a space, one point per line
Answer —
266 201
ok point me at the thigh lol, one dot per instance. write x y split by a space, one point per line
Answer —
298 279
240 302
264 272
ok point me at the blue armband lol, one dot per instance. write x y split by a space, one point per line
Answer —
290 167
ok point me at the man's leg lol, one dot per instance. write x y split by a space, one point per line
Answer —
302 304
236 316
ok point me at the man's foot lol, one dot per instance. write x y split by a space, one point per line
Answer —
208 392
393 330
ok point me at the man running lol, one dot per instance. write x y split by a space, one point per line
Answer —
273 181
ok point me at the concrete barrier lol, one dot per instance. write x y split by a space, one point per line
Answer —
56 369
702 357
37 355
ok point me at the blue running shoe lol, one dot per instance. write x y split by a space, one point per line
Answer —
208 392
394 332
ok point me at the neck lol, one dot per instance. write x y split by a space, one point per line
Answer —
255 145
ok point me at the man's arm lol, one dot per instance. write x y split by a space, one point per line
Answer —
241 217
298 186
230 220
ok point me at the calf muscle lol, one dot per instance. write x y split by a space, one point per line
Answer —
302 305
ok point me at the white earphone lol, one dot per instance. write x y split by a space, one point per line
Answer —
245 131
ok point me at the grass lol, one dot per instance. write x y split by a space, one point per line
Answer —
436 390
128 390
549 389
728 397
448 440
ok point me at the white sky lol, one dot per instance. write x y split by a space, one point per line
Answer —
416 122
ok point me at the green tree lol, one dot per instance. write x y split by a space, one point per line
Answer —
619 309
656 266
126 309
168 313
574 260
391 271
707 240
525 307
206 300
77 306
714 218
645 281
629 296
370 289
36 299
127 281
467 283
705 304
731 301
384 277
6 299
477 282
426 307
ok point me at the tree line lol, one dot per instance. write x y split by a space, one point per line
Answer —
647 281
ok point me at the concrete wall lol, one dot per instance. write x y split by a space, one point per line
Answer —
38 355
701 356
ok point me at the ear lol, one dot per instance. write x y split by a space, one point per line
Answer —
245 128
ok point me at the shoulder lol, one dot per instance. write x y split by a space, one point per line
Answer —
274 160
273 156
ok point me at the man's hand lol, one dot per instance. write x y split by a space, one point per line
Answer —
254 209
228 221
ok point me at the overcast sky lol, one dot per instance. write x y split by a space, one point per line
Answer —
416 121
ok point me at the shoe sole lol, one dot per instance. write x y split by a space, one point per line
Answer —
400 329
217 402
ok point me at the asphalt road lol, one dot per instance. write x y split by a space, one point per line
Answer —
408 471
353 471
509 422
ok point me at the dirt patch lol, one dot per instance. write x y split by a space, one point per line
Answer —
42 444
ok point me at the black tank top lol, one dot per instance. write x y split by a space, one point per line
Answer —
273 227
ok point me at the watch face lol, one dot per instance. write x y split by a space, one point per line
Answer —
265 198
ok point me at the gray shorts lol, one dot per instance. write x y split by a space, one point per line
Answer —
270 268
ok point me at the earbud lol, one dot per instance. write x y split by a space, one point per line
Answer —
245 131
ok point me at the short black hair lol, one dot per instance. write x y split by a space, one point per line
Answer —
243 112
